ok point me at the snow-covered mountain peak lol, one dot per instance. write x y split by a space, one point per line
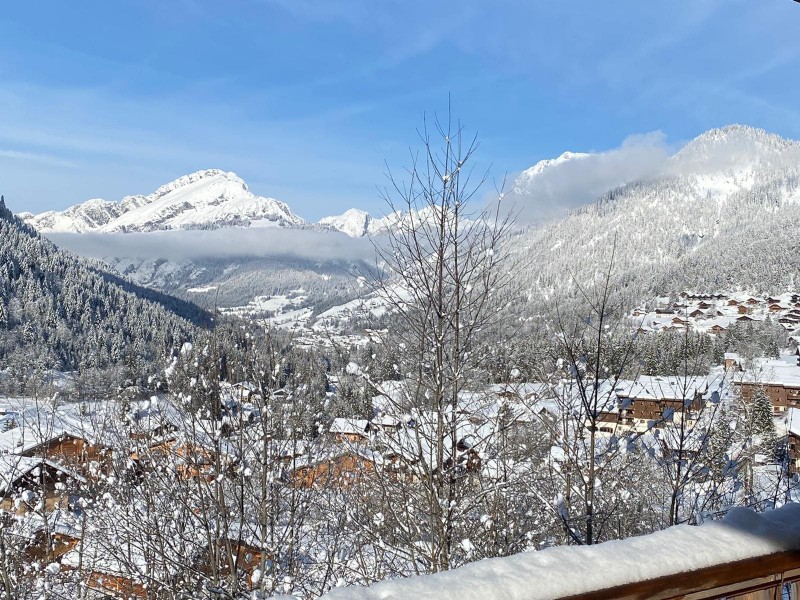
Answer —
206 176
353 222
208 199
735 148
548 163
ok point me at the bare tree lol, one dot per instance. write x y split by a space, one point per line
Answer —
445 276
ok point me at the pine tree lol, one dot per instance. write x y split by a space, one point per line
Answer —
763 422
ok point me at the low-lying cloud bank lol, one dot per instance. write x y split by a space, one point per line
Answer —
566 185
176 245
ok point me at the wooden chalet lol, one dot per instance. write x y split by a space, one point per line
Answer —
50 547
340 471
652 402
190 460
115 586
38 477
349 430
467 459
243 553
793 440
71 449
732 361
782 396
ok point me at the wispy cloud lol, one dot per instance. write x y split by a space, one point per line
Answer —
36 157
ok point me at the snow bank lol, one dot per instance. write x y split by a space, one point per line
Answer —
566 571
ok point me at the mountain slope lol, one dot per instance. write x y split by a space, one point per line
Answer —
209 199
723 215
58 311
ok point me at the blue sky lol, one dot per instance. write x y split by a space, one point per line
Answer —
306 99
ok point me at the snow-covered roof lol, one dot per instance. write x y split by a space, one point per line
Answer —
671 387
349 426
793 421
552 573
38 422
780 371
12 468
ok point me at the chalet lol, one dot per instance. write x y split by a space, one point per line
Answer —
25 480
745 318
289 451
338 471
609 420
153 419
467 459
655 401
114 563
717 329
733 302
743 309
241 549
778 378
50 547
71 449
102 573
781 395
349 430
704 305
697 313
385 424
793 440
190 459
732 361
775 308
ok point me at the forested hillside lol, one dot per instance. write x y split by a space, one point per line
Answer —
60 312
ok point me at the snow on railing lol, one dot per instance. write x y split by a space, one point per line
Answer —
743 552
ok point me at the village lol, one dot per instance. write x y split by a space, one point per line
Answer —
716 313
74 474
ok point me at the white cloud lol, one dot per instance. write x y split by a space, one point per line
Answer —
223 243
568 184
36 157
